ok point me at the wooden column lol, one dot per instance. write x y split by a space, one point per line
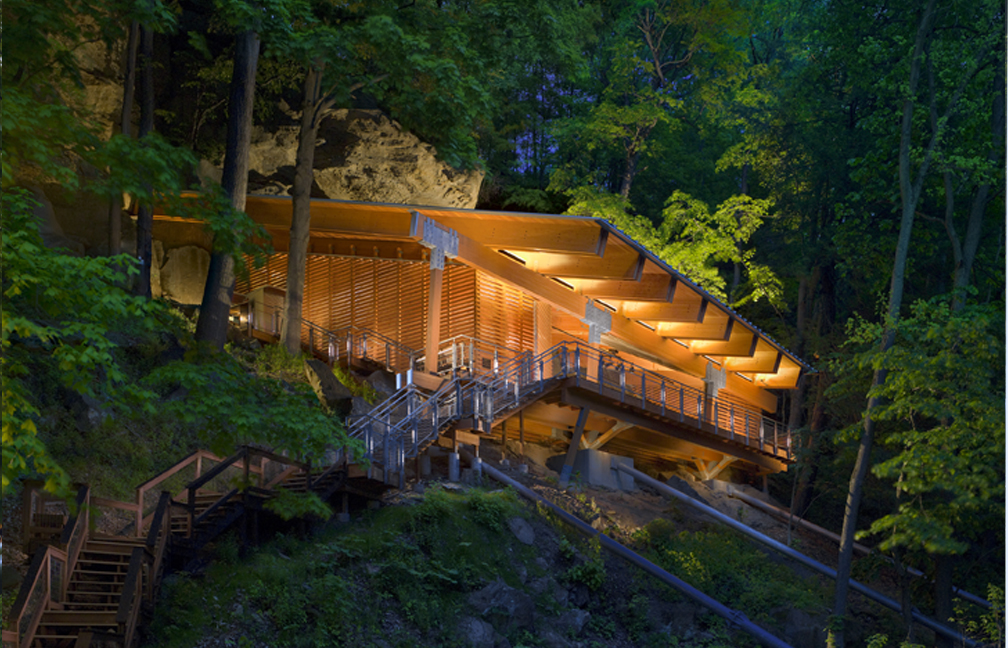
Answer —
521 434
575 442
434 319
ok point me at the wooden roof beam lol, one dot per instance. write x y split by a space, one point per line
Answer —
371 248
623 265
740 343
766 359
650 288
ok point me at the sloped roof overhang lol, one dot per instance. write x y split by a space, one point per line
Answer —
572 262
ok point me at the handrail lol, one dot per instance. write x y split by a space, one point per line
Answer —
196 457
488 397
194 485
75 534
157 543
128 612
352 337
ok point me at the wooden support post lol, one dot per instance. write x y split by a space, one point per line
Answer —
521 433
434 319
568 467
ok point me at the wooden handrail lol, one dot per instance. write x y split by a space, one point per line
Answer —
216 505
272 456
129 601
194 485
75 534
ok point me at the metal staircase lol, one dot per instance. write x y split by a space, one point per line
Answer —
408 421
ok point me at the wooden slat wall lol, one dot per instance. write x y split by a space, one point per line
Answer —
543 327
504 315
382 295
458 302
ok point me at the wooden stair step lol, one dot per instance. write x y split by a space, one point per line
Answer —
96 562
78 619
92 607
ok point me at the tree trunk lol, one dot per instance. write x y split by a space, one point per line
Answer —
964 267
145 214
943 596
126 119
910 189
629 171
297 254
211 327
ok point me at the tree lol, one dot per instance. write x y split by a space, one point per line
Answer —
211 327
913 165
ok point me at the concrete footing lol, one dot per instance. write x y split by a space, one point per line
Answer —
453 466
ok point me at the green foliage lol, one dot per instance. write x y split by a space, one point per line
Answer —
274 361
336 588
489 510
230 406
693 240
728 568
943 399
590 569
290 505
58 309
356 386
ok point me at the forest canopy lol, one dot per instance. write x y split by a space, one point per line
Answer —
832 170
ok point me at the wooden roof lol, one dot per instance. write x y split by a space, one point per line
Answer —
570 262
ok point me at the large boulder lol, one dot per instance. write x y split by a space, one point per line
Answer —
505 607
330 391
183 275
362 155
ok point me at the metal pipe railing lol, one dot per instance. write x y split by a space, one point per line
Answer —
860 548
734 616
811 563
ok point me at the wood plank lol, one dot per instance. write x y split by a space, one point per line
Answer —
621 264
742 344
650 288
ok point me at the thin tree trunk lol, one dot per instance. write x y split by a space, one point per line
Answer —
145 214
297 254
629 171
910 189
964 267
129 82
211 327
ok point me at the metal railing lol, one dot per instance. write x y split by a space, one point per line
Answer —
471 354
399 428
348 342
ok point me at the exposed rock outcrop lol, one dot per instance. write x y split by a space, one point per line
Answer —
362 155
331 392
182 277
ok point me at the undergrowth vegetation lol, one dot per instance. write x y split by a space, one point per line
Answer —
730 569
411 564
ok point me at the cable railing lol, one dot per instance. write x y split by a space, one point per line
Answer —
346 343
399 429
472 355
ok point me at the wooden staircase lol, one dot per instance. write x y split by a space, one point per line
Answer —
91 589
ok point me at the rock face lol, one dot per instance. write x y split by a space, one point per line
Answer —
362 155
330 391
505 607
183 275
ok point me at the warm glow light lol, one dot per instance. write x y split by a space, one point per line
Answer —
513 256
